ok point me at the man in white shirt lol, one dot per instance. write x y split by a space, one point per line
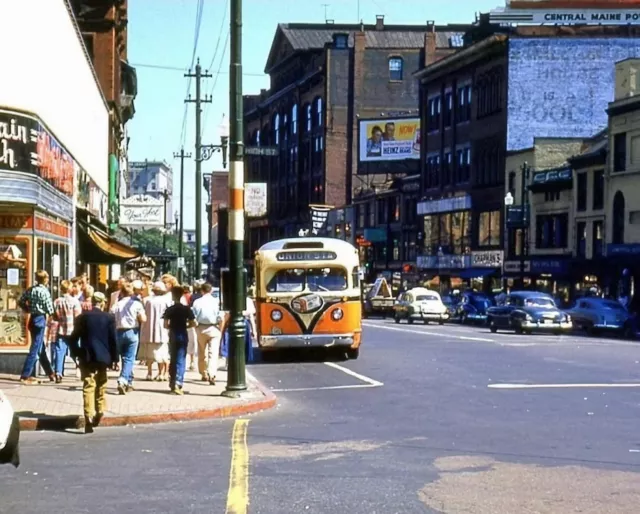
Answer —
130 314
115 295
206 310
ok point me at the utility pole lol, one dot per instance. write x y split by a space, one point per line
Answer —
182 157
198 75
236 382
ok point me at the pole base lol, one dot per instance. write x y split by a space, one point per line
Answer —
237 393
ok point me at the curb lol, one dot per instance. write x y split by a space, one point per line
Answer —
60 423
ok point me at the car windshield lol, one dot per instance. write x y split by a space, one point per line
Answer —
426 298
539 301
315 279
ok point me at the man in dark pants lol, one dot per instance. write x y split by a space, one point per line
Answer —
36 301
177 319
94 342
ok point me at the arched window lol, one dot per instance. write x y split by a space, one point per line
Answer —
319 114
276 129
294 119
618 219
396 65
256 137
285 128
307 110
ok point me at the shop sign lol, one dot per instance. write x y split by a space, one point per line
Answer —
545 177
142 210
49 226
514 267
549 16
27 146
623 249
456 203
16 222
487 259
549 266
443 262
90 197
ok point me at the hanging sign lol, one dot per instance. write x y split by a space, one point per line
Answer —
142 211
319 215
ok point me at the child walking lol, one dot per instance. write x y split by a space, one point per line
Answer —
178 318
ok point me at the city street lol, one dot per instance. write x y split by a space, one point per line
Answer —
429 419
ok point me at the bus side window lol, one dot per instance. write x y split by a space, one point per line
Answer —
356 276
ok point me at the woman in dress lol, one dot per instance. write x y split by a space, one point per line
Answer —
154 338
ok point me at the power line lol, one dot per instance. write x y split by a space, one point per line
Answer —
196 37
215 81
184 69
215 54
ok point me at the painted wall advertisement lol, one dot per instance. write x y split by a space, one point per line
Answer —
389 139
142 211
27 146
561 87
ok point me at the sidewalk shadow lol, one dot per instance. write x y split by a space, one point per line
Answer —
69 424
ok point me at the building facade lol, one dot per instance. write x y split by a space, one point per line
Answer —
52 135
334 90
506 87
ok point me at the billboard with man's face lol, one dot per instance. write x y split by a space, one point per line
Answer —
389 139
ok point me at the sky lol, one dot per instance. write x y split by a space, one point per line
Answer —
161 39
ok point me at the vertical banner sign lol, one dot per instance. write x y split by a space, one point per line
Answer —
319 215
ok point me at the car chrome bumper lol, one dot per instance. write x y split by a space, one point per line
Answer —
479 317
306 341
547 326
429 316
608 326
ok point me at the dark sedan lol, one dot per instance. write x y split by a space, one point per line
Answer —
473 307
526 312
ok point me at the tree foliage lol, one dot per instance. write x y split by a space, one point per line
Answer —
150 241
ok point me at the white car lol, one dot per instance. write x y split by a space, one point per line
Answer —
420 304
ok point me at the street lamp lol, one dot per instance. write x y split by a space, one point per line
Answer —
204 153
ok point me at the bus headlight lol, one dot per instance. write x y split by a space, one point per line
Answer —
276 315
337 314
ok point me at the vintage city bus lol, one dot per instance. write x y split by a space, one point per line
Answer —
308 295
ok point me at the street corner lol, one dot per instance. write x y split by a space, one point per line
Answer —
59 409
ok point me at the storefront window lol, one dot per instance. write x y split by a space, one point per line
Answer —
14 269
445 232
449 231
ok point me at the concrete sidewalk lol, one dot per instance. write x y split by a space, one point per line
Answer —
50 406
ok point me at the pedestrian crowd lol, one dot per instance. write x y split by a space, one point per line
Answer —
162 324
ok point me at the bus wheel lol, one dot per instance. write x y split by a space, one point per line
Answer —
353 354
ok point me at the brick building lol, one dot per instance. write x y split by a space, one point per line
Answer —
489 100
103 26
324 79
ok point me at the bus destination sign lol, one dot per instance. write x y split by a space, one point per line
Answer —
306 256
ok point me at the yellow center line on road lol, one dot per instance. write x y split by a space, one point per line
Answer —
238 495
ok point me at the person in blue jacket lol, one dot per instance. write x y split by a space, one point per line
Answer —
250 331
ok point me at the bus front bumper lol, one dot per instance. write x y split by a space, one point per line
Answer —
307 341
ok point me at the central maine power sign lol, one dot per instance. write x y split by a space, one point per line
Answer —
561 87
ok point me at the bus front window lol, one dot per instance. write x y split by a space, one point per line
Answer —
317 279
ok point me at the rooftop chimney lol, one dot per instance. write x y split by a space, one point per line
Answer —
380 22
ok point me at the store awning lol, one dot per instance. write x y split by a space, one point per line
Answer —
476 272
98 247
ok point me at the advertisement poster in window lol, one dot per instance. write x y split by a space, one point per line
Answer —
389 139
13 282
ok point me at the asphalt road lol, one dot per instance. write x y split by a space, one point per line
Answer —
429 419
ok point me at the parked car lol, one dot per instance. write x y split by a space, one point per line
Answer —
420 304
595 315
526 312
451 303
473 307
